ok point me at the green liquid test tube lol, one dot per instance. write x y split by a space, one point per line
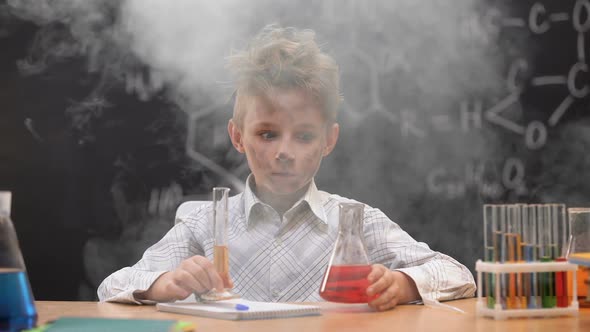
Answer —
546 254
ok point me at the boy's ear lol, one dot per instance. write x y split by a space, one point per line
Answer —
332 138
235 135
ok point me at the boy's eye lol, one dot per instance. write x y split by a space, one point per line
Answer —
306 136
267 135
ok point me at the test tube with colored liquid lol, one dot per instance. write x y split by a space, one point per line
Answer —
500 235
529 243
525 280
513 255
490 229
561 236
221 245
547 248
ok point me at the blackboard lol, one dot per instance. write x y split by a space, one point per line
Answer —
114 112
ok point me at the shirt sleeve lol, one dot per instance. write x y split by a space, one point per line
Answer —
437 276
177 245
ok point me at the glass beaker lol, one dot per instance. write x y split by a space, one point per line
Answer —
17 307
578 249
221 249
345 279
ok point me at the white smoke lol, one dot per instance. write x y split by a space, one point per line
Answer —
184 42
400 57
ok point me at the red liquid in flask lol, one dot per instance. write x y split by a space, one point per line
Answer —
347 284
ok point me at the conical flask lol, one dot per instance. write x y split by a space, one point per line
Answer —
345 279
17 307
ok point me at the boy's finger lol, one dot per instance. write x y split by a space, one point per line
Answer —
188 281
206 274
215 279
200 274
385 283
386 300
379 286
177 292
200 289
377 271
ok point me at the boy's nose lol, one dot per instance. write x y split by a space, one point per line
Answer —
283 157
284 153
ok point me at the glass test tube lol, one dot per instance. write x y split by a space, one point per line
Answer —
562 228
513 255
561 236
490 228
524 279
547 248
500 235
529 237
220 249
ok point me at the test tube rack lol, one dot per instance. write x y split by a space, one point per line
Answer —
498 312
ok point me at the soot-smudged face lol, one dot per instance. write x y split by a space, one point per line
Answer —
284 136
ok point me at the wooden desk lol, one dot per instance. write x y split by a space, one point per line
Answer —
334 317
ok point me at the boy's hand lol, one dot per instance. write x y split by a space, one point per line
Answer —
392 287
194 275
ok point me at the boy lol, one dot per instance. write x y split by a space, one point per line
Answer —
282 228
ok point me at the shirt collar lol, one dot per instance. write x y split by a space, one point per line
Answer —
312 197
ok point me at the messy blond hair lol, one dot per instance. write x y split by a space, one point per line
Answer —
285 58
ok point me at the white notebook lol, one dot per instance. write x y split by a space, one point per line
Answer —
237 309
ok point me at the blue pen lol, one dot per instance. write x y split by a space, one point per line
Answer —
241 307
237 306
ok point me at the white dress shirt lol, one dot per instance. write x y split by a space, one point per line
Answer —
284 259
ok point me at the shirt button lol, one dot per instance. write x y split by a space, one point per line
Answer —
279 241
